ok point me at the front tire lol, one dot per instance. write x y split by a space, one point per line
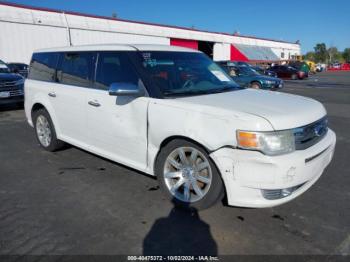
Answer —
45 131
188 176
255 85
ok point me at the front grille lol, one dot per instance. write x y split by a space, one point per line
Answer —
17 92
7 84
13 92
311 134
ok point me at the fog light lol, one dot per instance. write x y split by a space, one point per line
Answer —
286 192
273 194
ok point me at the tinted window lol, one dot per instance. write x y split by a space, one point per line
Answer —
114 67
76 69
43 66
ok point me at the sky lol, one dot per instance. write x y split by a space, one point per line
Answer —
309 21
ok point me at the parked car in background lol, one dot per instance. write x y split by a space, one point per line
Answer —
339 67
19 68
264 71
246 76
321 67
335 66
11 86
287 72
256 68
300 66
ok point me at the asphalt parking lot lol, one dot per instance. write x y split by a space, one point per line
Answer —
73 202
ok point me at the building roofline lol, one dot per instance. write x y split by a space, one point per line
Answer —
117 47
136 22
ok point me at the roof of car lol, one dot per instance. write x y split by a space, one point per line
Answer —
119 47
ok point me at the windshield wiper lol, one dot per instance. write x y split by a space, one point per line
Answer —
185 93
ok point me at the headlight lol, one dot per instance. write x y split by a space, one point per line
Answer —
19 82
269 143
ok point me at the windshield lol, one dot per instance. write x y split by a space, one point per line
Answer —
247 70
4 68
184 73
259 70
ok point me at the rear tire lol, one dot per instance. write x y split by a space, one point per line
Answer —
188 176
45 131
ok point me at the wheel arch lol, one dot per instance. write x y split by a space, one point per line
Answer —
201 145
177 137
42 105
37 106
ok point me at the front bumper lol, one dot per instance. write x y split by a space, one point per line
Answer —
248 175
11 95
11 100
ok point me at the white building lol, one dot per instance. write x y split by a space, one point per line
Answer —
24 29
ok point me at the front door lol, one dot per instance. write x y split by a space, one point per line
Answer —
117 126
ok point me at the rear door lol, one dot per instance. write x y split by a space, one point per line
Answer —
74 77
117 125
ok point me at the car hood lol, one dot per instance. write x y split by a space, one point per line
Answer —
282 111
8 77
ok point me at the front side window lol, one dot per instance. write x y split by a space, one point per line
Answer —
76 69
184 73
43 66
114 67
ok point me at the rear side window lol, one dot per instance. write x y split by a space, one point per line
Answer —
43 66
114 67
76 69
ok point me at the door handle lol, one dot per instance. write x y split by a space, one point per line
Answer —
52 94
94 103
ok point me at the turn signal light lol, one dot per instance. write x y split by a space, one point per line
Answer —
247 139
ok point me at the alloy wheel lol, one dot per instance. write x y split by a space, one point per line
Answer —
187 174
43 130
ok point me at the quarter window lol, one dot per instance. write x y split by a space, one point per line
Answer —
114 67
76 69
43 66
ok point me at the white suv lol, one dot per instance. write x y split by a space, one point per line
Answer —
173 113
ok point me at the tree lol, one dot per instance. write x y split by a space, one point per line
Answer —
309 56
321 54
334 55
346 55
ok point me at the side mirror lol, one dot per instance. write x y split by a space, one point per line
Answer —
124 89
